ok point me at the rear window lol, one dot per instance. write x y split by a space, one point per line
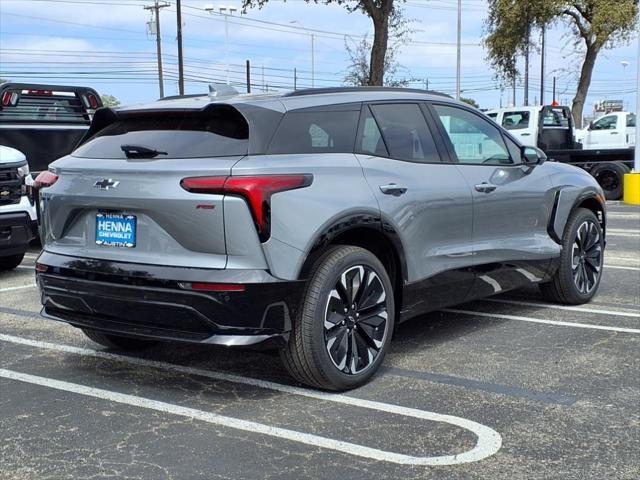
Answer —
177 135
45 106
515 120
631 120
316 132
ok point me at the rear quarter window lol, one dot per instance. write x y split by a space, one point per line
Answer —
46 107
315 132
179 135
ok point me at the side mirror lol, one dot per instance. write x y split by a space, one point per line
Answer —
590 127
532 155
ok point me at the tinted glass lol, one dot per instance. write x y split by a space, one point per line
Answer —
605 123
370 137
316 132
515 120
555 117
179 135
492 115
475 139
631 120
405 132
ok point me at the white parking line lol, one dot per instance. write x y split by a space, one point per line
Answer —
26 267
540 320
488 443
20 287
620 234
564 307
620 267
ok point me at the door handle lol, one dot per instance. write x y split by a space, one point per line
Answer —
526 134
393 189
614 133
485 187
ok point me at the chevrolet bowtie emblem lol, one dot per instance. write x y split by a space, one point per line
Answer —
106 184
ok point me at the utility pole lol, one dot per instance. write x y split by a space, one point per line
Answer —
156 17
248 77
554 89
295 78
542 54
636 163
459 53
179 38
514 90
313 61
526 68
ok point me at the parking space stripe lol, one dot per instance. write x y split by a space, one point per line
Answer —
19 287
564 307
488 443
230 422
620 267
540 320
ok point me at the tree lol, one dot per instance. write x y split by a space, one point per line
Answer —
595 25
470 101
379 11
109 100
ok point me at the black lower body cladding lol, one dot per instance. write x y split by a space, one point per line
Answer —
151 301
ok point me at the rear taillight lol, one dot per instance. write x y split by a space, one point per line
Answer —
45 179
9 98
39 92
256 190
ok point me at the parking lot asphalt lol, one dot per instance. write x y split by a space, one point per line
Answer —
510 387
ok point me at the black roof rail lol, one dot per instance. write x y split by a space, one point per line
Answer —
317 91
43 86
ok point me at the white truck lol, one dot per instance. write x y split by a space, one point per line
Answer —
18 220
614 130
551 128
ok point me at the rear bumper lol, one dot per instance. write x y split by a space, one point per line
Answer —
17 229
148 301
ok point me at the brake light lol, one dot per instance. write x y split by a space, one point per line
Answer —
9 98
93 101
45 179
256 190
39 92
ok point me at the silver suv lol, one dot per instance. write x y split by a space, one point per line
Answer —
313 221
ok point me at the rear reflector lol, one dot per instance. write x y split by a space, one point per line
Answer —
45 179
9 99
40 267
213 287
255 189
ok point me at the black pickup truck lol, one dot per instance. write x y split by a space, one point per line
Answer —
44 122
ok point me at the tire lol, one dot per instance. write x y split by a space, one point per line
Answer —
582 259
321 328
610 176
10 262
116 342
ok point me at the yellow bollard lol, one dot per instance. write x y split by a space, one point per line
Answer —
632 188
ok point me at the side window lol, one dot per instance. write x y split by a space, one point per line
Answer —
405 132
605 123
370 140
515 120
475 140
316 132
631 120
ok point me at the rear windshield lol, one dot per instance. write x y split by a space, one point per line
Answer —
176 135
45 106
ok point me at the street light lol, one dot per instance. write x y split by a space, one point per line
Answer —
313 60
625 64
223 11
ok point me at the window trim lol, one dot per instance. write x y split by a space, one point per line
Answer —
419 104
449 145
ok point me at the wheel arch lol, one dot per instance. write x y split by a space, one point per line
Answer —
368 231
568 200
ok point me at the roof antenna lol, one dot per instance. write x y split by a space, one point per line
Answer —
222 90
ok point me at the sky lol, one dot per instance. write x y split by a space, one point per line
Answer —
105 44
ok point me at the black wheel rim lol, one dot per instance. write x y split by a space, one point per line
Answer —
608 180
586 257
355 324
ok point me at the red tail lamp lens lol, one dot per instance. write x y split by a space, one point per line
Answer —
218 287
256 190
45 179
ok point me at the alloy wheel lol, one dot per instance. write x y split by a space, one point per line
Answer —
586 257
355 323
